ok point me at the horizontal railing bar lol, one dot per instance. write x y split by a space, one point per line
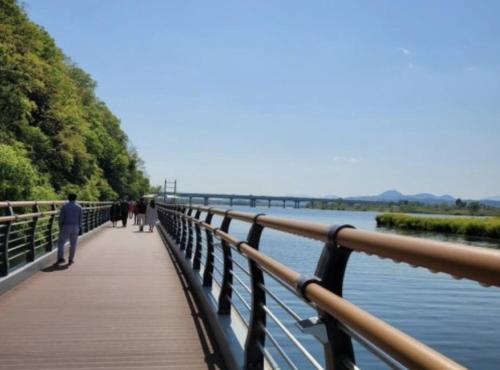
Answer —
241 298
390 362
283 305
41 245
23 203
27 216
247 288
245 321
20 223
278 347
18 255
406 350
240 266
293 339
24 245
269 358
476 263
14 240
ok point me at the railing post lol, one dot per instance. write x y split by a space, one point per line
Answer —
183 230
89 218
226 290
330 270
30 256
178 226
4 268
189 225
256 336
84 220
197 251
50 229
209 263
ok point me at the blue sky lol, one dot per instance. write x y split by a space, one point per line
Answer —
297 97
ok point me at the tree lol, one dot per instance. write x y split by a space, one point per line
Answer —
51 117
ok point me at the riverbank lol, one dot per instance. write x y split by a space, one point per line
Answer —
471 209
470 226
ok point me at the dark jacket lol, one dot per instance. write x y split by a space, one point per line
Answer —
124 208
141 207
114 212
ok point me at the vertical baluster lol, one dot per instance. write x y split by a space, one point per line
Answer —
178 225
189 225
4 269
50 229
226 291
256 336
88 219
209 263
330 270
30 255
183 229
197 251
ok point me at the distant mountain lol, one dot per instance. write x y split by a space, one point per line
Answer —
491 201
396 196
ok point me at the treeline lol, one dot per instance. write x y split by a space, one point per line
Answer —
460 207
484 227
56 136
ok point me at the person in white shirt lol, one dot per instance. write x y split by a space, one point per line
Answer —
151 215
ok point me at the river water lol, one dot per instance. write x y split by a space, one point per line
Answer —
458 318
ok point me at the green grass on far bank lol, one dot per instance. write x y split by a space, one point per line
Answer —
471 226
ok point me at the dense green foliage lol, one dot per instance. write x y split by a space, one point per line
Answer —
55 134
458 208
472 226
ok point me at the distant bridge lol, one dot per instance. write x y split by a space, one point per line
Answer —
252 199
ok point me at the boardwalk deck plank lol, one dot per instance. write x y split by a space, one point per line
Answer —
120 306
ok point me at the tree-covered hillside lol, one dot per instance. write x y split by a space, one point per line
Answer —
55 134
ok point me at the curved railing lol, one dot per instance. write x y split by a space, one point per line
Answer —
340 320
29 229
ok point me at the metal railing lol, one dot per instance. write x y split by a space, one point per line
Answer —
339 322
30 229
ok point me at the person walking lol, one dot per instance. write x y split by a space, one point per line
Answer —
124 212
70 221
136 211
141 213
131 206
151 215
114 213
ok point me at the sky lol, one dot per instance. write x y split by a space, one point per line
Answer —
297 97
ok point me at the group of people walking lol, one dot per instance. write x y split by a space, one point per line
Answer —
70 221
141 211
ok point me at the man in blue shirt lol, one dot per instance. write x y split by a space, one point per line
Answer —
70 220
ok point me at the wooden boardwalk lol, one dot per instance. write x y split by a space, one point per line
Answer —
122 305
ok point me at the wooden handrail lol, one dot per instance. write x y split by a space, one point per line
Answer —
461 261
475 263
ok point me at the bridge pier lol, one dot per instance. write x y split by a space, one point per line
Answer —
205 201
284 203
230 202
190 200
297 204
269 203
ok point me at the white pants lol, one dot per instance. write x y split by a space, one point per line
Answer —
141 219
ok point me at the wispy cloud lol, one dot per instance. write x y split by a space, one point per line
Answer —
470 68
405 51
346 160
